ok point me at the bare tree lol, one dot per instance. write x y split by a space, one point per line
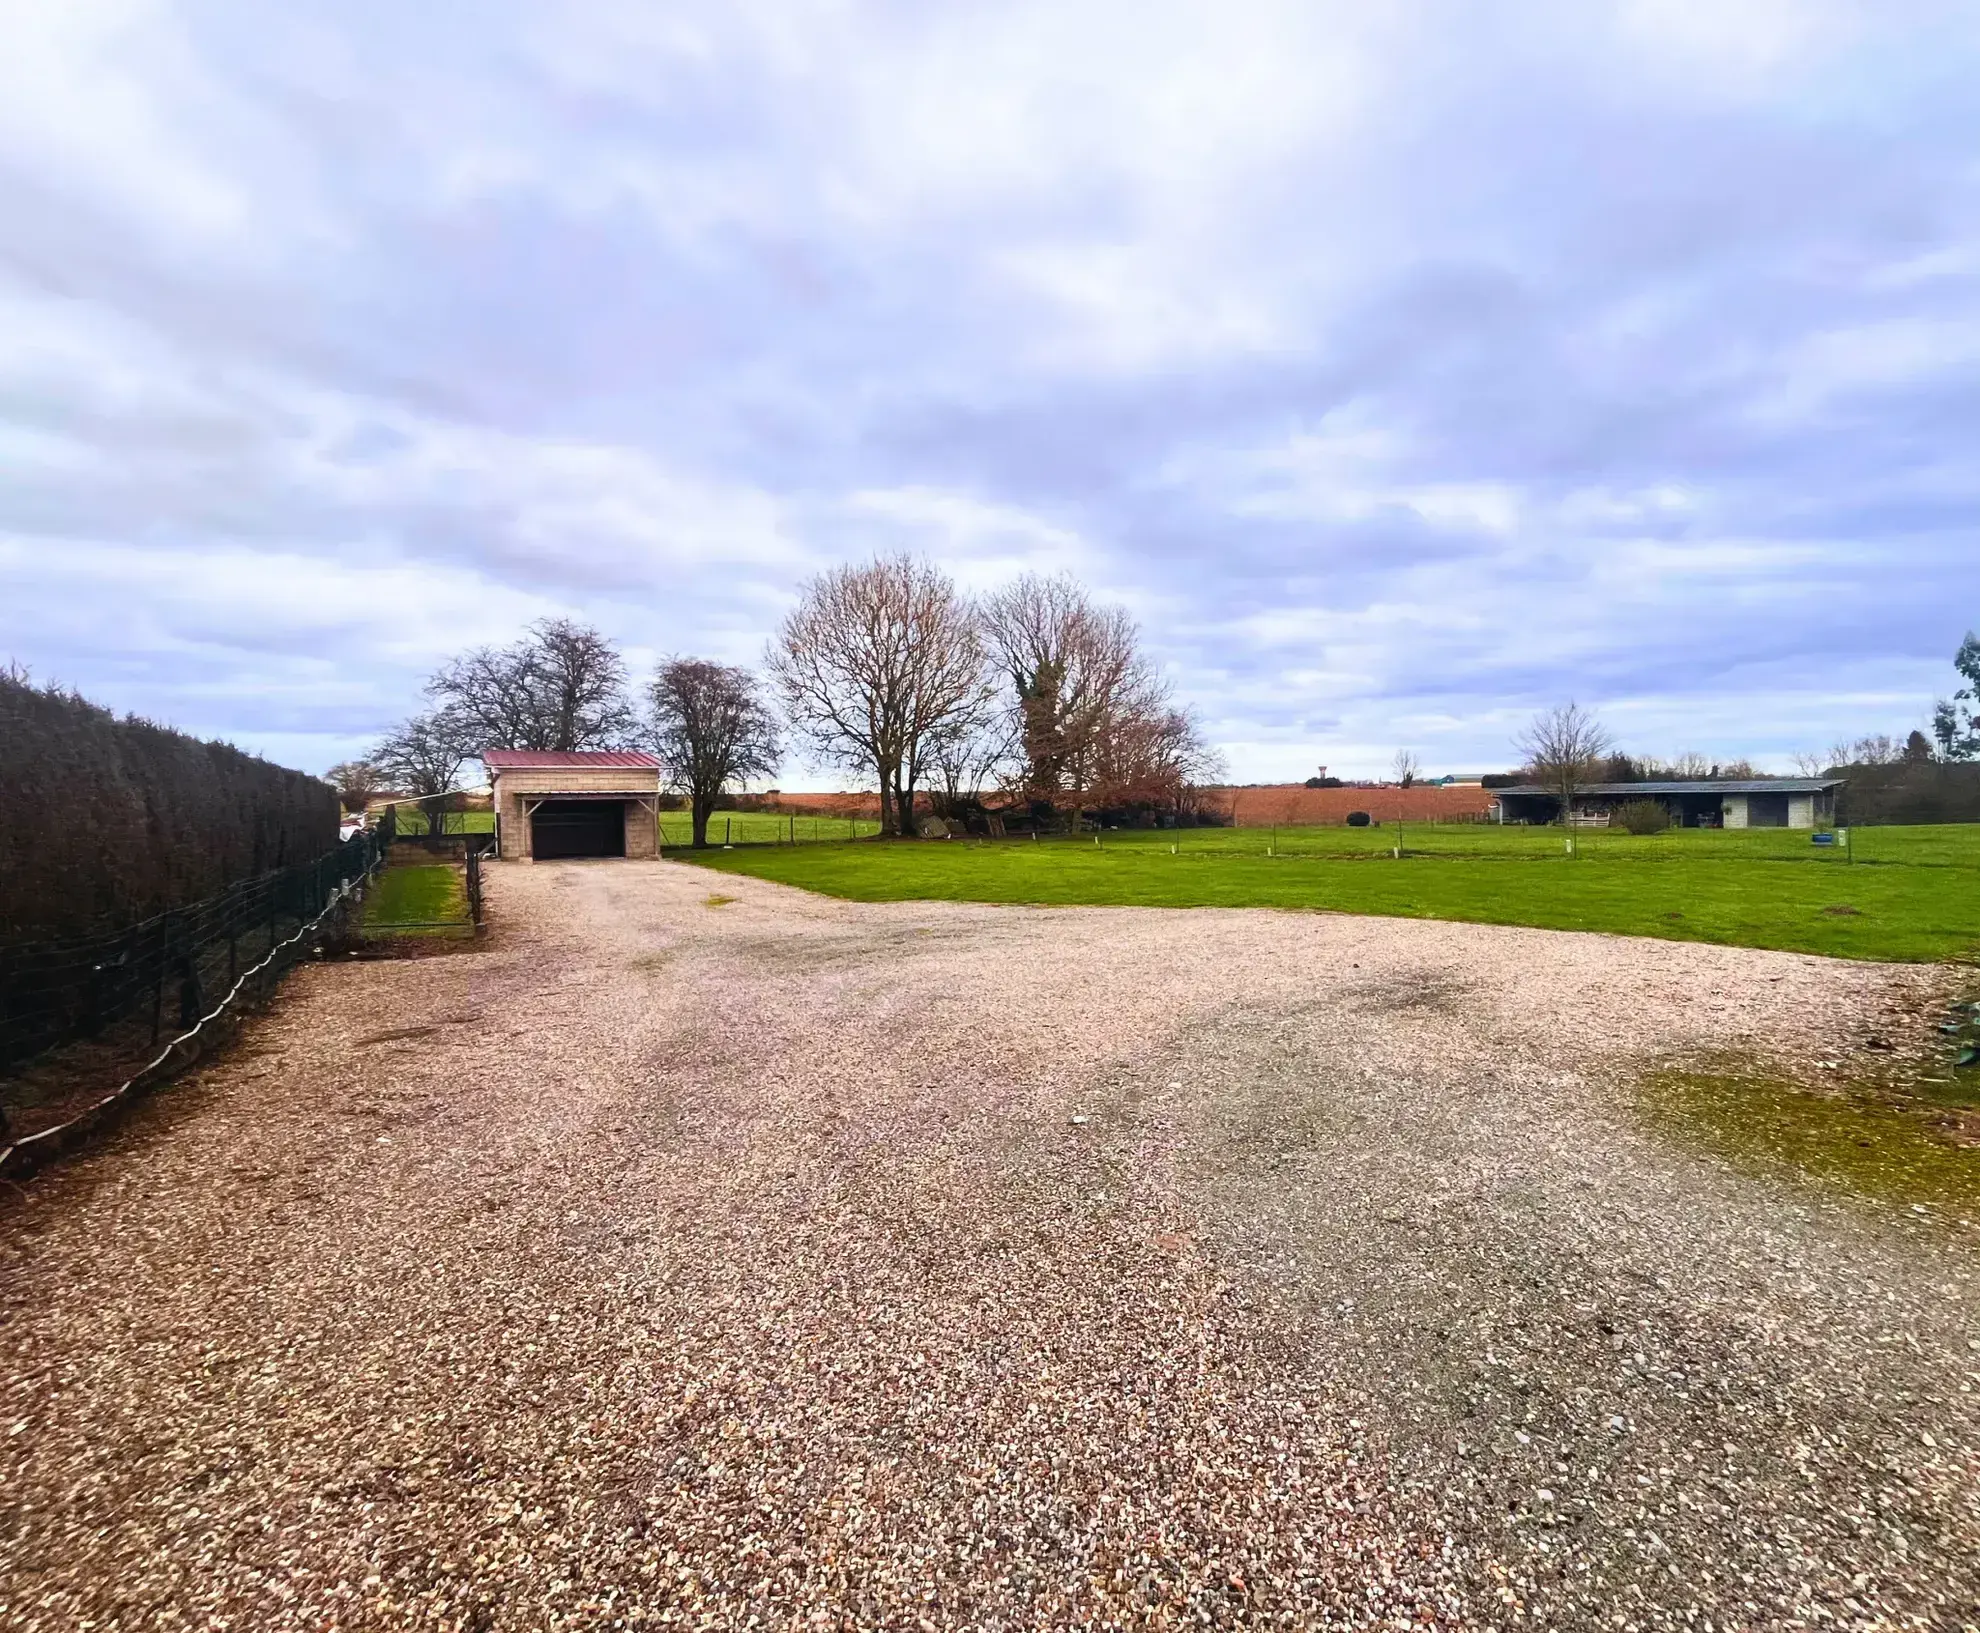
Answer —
1562 749
1878 749
424 758
876 665
1072 667
357 782
562 687
711 730
1152 756
967 760
1689 766
1090 719
583 684
1881 750
493 692
1406 768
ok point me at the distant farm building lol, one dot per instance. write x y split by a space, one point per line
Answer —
1772 802
586 803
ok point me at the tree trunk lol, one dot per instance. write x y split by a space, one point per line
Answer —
889 811
701 810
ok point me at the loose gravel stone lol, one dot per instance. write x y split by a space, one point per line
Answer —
811 1264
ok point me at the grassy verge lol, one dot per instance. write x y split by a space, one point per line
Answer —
1910 895
416 901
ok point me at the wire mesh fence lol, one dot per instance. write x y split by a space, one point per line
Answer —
163 972
764 828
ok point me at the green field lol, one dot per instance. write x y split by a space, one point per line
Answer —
413 900
762 828
412 821
1909 894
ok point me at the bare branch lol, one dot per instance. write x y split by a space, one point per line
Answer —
424 757
562 687
875 666
1091 720
1563 748
711 730
356 782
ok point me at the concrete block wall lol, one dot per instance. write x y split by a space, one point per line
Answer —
1738 813
642 843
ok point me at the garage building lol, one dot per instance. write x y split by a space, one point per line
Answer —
585 803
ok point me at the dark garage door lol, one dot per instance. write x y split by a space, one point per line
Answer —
1766 810
578 827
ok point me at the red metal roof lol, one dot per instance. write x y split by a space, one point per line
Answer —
522 759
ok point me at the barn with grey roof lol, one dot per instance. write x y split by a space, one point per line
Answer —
1708 802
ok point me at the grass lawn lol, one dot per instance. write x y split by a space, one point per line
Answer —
1907 894
424 895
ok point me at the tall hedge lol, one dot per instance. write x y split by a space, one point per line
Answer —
1910 791
106 821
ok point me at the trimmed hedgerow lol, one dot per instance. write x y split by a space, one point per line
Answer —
104 821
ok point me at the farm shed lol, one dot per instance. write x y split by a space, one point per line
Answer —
1770 802
583 803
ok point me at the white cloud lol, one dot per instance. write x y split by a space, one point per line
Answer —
80 98
321 607
1831 365
1738 46
1375 356
981 543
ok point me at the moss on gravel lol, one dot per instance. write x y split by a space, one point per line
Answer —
1885 1136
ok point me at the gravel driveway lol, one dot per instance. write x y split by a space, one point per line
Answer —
788 1262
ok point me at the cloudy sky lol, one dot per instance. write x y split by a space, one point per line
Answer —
1405 367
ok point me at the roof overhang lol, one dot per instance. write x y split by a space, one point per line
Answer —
1628 790
589 793
511 760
